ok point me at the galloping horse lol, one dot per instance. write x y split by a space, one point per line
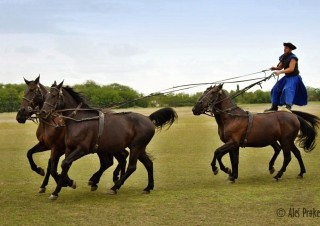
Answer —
107 133
238 128
50 135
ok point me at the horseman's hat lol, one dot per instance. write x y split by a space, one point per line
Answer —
289 45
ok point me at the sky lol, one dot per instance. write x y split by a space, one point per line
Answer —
151 45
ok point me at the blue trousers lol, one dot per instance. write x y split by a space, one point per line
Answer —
289 90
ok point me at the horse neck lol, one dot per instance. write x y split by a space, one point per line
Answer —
44 93
43 89
74 106
69 102
228 109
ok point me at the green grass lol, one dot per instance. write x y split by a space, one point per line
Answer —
186 191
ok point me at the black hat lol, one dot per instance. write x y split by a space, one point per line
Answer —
289 45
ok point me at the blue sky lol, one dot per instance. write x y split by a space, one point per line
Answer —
153 45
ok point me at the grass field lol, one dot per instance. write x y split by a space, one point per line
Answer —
186 191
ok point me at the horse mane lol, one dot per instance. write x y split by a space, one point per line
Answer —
77 96
227 96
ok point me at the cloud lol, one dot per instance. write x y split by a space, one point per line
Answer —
27 50
124 50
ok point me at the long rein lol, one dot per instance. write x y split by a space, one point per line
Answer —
189 86
163 92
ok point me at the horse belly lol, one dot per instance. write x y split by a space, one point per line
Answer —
263 133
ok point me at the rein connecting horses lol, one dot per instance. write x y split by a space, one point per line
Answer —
51 135
106 133
238 128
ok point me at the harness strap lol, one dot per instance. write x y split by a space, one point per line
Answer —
101 128
250 120
75 110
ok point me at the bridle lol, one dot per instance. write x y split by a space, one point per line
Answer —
58 103
210 109
32 105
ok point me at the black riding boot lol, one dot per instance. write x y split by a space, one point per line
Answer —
288 107
273 108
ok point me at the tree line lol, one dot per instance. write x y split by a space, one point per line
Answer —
122 96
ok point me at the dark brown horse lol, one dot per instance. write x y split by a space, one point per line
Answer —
50 135
90 130
238 128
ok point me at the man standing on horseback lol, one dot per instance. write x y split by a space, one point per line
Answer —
289 89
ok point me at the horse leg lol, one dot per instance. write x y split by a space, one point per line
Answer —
46 178
39 147
105 162
222 166
277 149
56 153
234 158
148 164
218 154
286 160
66 164
132 166
121 167
297 154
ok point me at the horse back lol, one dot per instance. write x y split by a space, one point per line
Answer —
271 127
127 130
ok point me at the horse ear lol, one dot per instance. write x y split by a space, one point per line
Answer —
60 85
37 79
220 86
26 81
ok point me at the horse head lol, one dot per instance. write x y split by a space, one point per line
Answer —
208 100
54 100
32 100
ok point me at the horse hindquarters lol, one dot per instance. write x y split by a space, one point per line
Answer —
289 129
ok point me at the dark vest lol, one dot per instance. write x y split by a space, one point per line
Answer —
285 59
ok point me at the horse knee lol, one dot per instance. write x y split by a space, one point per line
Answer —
131 168
29 154
65 165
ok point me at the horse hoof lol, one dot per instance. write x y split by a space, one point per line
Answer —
300 177
42 190
275 179
229 171
146 192
94 188
41 171
112 192
271 170
216 171
53 197
90 183
74 185
231 181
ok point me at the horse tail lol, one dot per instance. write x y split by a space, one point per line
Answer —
313 120
163 116
308 132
